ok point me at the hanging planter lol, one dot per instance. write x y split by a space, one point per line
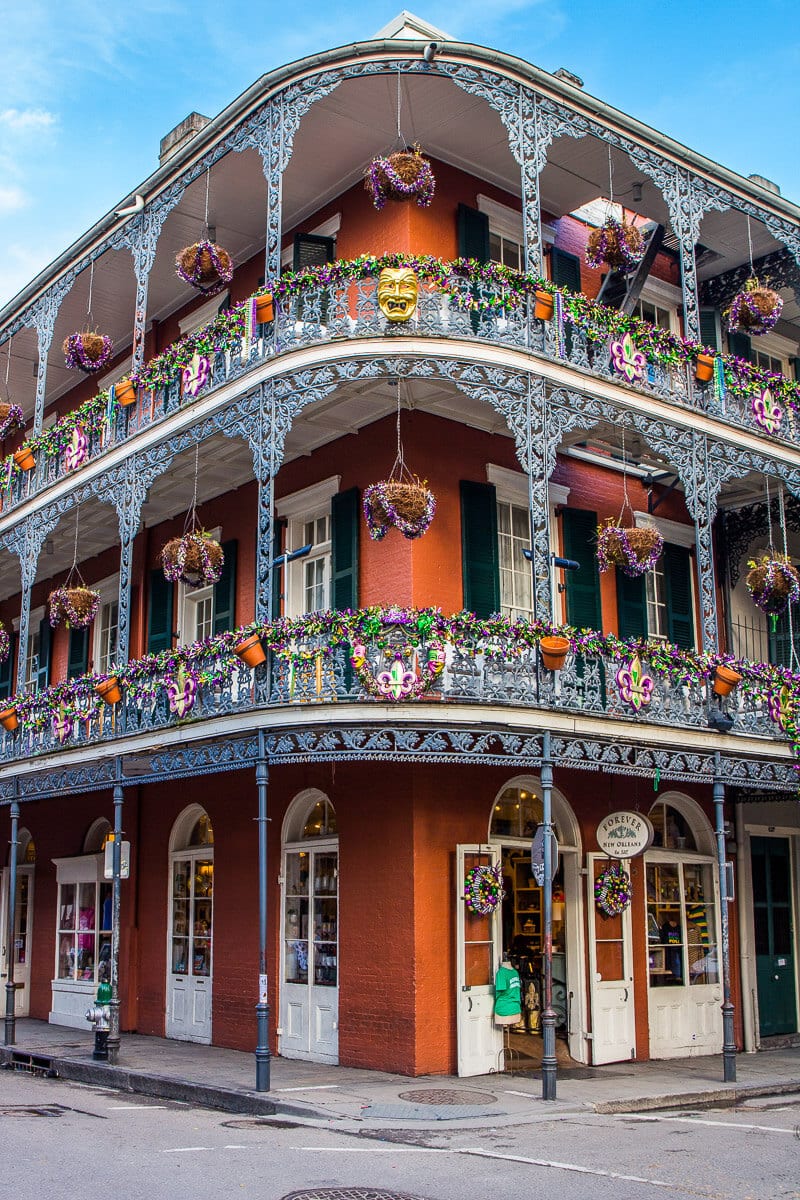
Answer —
554 651
704 368
265 309
613 890
12 420
635 550
543 305
195 559
251 651
109 690
76 606
755 309
87 351
125 392
725 680
407 504
24 458
615 244
406 175
9 719
206 266
773 582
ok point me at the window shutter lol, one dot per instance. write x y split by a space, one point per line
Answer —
159 627
7 669
45 653
709 329
739 345
631 605
345 511
225 591
583 586
311 250
780 640
479 557
473 234
78 657
565 270
796 368
279 572
678 595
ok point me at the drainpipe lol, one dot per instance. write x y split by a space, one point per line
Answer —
728 1043
549 1061
11 1020
116 860
262 1008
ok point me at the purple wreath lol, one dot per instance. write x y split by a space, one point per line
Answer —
76 356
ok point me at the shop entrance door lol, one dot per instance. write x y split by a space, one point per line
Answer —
309 1026
189 970
22 938
611 976
478 949
772 916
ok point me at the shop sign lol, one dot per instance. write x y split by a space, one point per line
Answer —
624 834
537 856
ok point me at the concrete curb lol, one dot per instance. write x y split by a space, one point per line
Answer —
726 1097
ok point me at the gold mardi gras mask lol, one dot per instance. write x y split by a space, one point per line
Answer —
397 293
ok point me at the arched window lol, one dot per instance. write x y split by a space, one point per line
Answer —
310 815
517 812
202 832
97 836
672 829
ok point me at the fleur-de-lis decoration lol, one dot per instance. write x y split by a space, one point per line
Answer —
181 691
629 361
781 707
196 375
77 451
635 685
62 725
767 411
397 682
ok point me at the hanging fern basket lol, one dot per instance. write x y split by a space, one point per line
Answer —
635 550
773 582
76 607
195 559
87 351
408 505
406 175
206 266
755 309
616 244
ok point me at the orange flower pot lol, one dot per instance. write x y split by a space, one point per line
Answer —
543 306
125 392
24 459
109 690
9 719
554 652
265 309
251 651
704 368
725 680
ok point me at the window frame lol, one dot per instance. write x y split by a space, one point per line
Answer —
189 599
298 509
511 487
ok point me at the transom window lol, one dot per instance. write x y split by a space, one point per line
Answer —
672 830
321 820
513 536
517 813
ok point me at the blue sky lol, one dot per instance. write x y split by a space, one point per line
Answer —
87 89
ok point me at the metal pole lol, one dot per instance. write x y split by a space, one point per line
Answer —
262 1008
728 1042
549 1061
116 860
11 930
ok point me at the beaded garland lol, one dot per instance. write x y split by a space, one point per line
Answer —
612 890
483 890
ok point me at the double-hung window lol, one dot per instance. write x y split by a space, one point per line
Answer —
306 580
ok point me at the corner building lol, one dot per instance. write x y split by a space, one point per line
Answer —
401 752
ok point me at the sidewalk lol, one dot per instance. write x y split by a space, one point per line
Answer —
356 1098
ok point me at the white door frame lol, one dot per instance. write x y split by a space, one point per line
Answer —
186 991
613 1001
22 971
480 1041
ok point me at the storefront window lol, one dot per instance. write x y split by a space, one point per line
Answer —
84 931
681 924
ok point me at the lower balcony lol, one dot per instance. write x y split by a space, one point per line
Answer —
400 658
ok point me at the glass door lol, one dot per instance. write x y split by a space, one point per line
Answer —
310 984
190 945
611 976
21 939
478 949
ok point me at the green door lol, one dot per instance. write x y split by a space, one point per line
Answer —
772 915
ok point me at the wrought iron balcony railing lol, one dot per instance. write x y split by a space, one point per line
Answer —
466 301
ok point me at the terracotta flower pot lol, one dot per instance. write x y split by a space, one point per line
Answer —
24 459
543 306
725 680
251 651
554 652
109 690
9 719
265 309
125 392
704 368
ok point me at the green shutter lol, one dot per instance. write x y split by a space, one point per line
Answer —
225 591
739 345
345 513
709 335
78 657
631 605
279 571
583 586
565 270
159 626
780 639
473 234
45 654
479 558
7 669
312 250
678 595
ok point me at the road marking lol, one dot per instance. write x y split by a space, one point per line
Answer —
235 1147
527 1095
382 1149
722 1124
135 1107
185 1149
316 1087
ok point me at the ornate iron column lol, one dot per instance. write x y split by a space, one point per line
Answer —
702 486
686 212
549 1060
42 317
141 238
28 545
132 483
540 455
262 1008
113 1025
728 1041
11 928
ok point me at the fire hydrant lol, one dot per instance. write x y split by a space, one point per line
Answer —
100 1016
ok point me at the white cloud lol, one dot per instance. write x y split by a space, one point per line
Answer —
11 199
19 120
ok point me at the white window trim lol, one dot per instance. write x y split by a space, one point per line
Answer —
776 345
309 498
187 596
328 228
512 486
203 315
671 531
111 377
298 507
109 594
509 223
